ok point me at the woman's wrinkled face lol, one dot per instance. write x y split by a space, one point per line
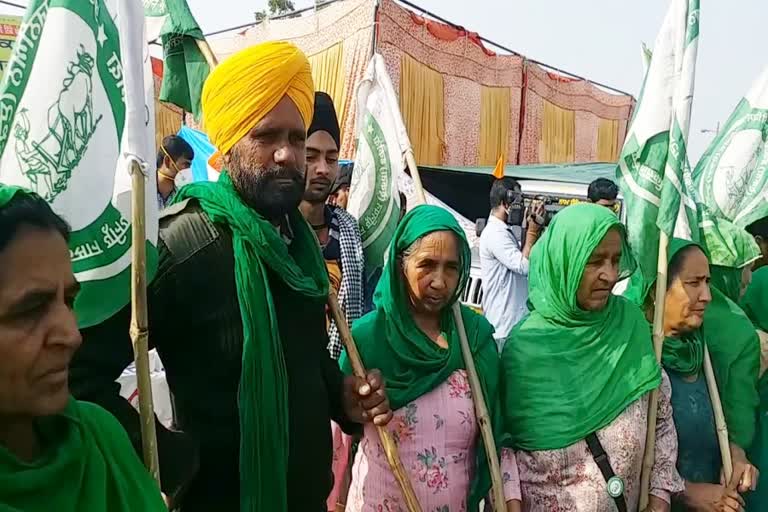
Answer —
688 295
601 273
431 271
38 330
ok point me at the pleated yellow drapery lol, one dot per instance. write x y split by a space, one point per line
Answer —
328 74
558 135
608 140
494 124
421 102
167 122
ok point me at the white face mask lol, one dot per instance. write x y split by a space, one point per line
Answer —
183 177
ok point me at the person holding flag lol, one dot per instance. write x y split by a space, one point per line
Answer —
243 276
687 304
578 372
413 338
56 453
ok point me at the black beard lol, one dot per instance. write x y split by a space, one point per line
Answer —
314 197
260 189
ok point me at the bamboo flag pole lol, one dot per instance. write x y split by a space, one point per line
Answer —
658 341
205 49
481 409
390 448
139 321
720 425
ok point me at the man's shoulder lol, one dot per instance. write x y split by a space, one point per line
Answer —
185 229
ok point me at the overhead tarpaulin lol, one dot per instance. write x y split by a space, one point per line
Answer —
337 39
466 67
203 149
560 113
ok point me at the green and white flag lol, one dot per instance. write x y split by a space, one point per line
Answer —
732 179
653 170
379 158
77 105
185 68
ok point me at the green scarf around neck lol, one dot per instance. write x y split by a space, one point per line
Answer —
755 300
568 372
88 463
411 363
263 394
733 345
8 192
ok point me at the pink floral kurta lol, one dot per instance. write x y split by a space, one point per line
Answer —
568 480
436 436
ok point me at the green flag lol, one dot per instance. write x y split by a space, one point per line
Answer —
185 68
381 145
732 180
653 169
77 106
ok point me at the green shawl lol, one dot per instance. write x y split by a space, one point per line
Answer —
7 192
411 363
263 393
733 345
87 464
755 300
567 372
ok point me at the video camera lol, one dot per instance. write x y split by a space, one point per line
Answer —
520 204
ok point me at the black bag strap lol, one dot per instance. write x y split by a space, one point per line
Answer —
611 480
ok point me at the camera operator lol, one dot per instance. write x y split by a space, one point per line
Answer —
503 259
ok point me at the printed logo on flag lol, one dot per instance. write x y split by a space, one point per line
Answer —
62 123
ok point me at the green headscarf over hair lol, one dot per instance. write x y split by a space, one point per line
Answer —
568 372
755 300
734 347
263 393
88 462
412 364
684 354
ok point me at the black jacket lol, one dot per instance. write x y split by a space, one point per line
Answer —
195 324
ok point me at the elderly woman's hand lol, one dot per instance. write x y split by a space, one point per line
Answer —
366 400
745 475
712 498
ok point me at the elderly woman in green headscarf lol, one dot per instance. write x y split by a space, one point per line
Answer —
698 316
577 373
56 453
411 336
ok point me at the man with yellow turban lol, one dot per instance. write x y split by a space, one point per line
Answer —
237 310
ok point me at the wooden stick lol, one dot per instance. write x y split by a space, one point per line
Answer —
390 448
205 49
649 456
481 409
139 322
720 425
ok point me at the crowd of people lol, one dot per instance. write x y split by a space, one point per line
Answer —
268 415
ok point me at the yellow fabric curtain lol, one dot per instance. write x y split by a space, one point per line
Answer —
494 124
328 74
608 140
167 122
421 102
558 135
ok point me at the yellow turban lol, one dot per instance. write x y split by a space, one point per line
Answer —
243 89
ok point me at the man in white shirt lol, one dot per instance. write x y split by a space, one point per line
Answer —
504 260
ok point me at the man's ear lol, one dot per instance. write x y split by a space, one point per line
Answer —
167 162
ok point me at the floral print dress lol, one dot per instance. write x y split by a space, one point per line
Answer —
568 480
436 436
